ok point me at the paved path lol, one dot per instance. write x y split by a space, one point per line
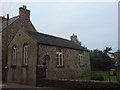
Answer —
14 86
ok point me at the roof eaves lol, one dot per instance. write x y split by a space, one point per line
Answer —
74 45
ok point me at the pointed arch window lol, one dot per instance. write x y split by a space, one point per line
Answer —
81 59
25 54
14 49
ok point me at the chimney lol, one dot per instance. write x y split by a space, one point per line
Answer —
2 18
73 37
24 13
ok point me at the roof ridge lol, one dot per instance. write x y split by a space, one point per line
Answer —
50 35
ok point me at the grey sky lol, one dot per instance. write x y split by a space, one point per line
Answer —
95 24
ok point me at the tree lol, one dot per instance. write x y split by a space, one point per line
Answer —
100 60
107 49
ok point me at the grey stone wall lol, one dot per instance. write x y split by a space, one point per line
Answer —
20 74
71 68
9 33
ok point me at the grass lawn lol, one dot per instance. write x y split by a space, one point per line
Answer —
105 74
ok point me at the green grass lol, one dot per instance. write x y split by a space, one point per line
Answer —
118 75
84 78
105 74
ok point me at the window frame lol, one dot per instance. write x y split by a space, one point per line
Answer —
59 57
14 56
44 62
81 59
25 54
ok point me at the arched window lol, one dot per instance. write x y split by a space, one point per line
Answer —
25 54
80 59
46 60
14 55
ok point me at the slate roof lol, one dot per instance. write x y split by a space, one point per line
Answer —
11 20
54 41
47 39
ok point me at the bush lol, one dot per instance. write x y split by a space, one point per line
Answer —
118 75
101 78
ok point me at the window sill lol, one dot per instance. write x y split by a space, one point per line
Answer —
24 65
13 66
82 65
59 66
41 66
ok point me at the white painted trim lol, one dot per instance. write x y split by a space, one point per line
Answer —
14 56
25 53
80 59
60 53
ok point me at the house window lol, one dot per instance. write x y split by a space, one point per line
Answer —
25 54
59 55
14 55
80 59
44 62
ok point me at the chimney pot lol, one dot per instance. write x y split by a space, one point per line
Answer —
25 7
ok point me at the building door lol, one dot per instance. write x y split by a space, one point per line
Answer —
13 74
42 70
46 64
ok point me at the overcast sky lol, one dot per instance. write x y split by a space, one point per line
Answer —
94 23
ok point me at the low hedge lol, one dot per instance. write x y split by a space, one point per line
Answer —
101 78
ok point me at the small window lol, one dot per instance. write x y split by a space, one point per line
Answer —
25 54
80 59
14 55
44 62
59 56
57 59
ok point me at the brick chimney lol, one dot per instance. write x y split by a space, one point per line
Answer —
73 37
2 18
24 13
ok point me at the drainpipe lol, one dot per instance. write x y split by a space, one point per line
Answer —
6 67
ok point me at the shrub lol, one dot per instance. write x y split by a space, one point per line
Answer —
101 78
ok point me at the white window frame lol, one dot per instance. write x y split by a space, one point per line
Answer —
80 59
25 54
14 55
59 58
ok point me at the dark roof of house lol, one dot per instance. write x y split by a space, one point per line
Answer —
10 21
54 41
47 39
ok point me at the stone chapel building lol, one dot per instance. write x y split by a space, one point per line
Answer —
29 56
